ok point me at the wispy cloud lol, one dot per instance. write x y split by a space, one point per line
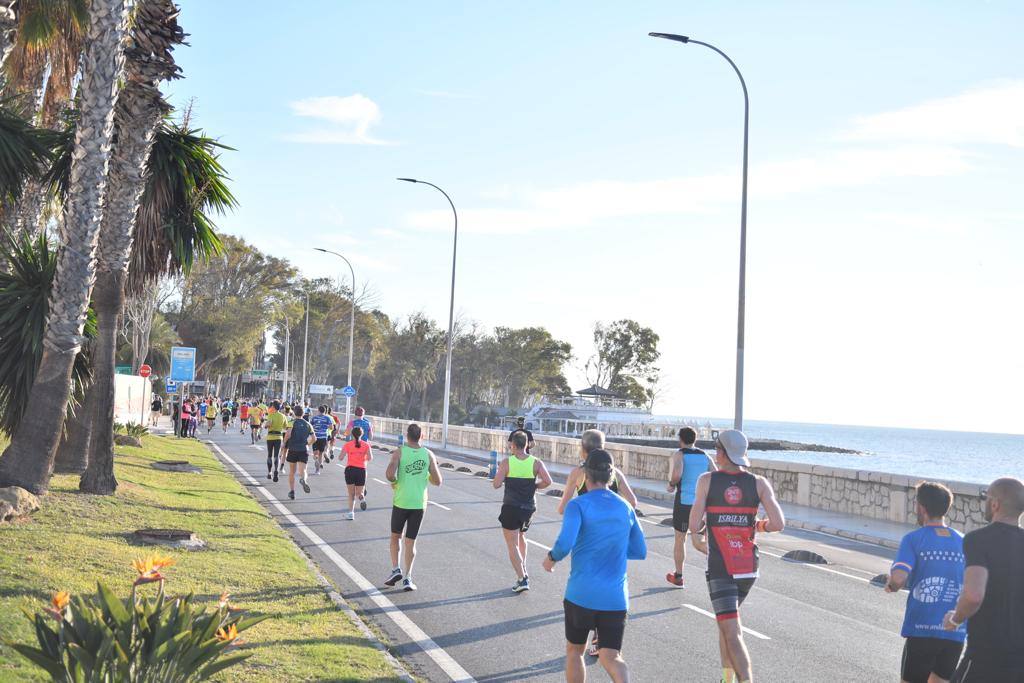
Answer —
911 150
445 94
992 114
343 120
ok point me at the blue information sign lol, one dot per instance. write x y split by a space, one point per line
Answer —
172 387
349 391
183 364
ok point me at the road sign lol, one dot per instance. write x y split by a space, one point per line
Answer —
183 364
349 391
145 370
321 389
172 387
123 370
260 374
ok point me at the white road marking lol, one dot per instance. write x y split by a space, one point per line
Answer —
539 545
386 483
698 610
443 507
839 538
819 567
414 632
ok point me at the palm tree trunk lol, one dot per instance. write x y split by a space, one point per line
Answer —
8 25
139 110
73 451
28 460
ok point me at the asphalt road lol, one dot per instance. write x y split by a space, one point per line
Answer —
804 622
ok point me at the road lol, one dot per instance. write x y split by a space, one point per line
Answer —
804 622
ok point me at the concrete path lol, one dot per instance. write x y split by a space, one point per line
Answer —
804 622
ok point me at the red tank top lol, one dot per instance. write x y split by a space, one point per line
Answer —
731 513
357 455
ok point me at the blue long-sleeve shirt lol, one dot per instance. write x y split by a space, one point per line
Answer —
602 532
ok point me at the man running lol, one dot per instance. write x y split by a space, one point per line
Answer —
992 600
225 417
335 428
363 423
930 562
297 438
688 463
234 410
727 500
322 424
522 475
256 414
243 416
601 531
358 453
277 425
211 413
521 427
411 468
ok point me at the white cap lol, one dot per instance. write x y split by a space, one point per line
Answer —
735 444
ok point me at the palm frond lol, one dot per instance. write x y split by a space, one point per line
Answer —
24 152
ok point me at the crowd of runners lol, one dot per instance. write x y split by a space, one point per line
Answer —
960 588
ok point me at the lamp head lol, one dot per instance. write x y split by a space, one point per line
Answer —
319 249
671 36
408 180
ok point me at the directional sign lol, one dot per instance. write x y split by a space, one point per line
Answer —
145 370
349 391
321 389
172 387
260 374
183 364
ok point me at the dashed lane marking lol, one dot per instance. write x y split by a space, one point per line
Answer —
539 545
698 610
445 661
443 507
381 481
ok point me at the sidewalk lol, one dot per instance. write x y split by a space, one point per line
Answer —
844 525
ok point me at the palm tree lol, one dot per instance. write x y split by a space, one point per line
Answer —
28 460
154 33
8 29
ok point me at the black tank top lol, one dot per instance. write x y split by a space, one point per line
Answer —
731 513
613 485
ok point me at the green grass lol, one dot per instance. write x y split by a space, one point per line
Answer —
76 539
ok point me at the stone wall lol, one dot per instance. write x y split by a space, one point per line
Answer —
869 494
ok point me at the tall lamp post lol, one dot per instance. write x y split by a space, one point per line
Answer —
451 311
738 419
305 349
351 330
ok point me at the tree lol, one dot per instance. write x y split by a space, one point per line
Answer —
624 355
531 362
28 460
153 35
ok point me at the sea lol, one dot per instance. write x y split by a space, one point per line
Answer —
959 456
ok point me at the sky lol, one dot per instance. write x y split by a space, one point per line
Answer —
596 172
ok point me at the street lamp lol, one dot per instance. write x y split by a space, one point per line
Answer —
738 419
351 330
305 349
451 311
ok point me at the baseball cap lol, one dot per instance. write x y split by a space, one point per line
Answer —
599 460
735 444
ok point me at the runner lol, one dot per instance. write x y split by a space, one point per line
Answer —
234 411
277 425
411 468
297 439
576 483
202 409
361 422
358 453
522 475
688 463
155 409
521 427
211 413
334 433
930 562
243 415
225 417
729 498
992 600
255 422
322 430
601 531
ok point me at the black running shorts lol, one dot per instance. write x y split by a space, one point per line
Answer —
409 520
680 515
355 476
923 657
298 456
727 594
974 669
514 518
580 621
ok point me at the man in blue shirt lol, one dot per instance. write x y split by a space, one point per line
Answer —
322 425
688 463
602 532
930 563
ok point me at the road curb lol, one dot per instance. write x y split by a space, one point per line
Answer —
332 592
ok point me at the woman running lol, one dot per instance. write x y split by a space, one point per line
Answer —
358 453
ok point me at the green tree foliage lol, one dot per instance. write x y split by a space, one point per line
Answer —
624 360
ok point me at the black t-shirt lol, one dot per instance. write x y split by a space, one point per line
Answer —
300 433
156 405
996 633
